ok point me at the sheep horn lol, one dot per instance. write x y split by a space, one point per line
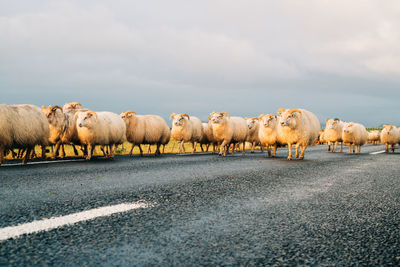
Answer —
172 115
262 115
54 108
337 119
254 118
295 110
208 117
185 115
226 113
129 112
75 104
280 111
272 115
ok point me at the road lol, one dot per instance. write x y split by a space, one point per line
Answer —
329 209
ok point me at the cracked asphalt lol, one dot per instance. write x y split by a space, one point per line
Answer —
329 209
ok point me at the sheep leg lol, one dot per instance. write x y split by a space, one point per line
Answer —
89 150
149 149
262 148
157 150
275 148
63 151
194 144
55 150
341 146
253 145
303 149
393 145
244 148
75 150
359 149
386 147
354 147
290 151
43 152
329 146
130 152
180 147
28 153
163 149
268 150
2 154
223 148
113 150
103 150
297 150
207 147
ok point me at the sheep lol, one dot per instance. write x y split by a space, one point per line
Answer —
145 129
253 126
354 134
71 107
100 128
267 133
321 139
22 126
228 130
333 133
374 137
186 129
297 126
390 136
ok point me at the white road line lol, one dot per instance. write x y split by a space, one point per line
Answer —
42 162
55 222
377 152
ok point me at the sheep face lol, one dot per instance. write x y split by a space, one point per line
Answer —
332 123
70 107
348 128
180 119
126 116
51 113
86 119
289 119
388 129
252 123
217 117
268 120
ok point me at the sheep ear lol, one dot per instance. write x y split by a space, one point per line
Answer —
172 115
280 111
262 115
209 118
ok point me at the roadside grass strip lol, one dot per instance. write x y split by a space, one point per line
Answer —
55 222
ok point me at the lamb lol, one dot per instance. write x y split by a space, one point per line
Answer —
297 126
228 130
390 136
252 135
100 128
22 126
354 134
374 137
333 133
145 129
186 129
267 132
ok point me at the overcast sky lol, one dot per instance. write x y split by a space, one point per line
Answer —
336 58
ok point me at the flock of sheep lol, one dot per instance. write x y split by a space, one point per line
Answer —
25 126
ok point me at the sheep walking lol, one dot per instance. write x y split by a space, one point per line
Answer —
186 129
390 136
354 134
253 126
100 128
374 137
145 129
297 127
333 134
267 132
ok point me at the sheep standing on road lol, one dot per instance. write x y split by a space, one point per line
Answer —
24 127
267 132
390 136
145 129
297 127
333 134
228 130
374 137
207 138
101 128
354 134
186 129
253 126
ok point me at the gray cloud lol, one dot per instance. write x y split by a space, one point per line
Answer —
335 58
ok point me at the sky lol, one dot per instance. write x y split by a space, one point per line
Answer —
336 58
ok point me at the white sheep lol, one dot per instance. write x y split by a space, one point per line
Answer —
100 128
390 136
333 133
145 129
22 126
228 130
299 127
354 134
253 126
186 129
267 132
374 137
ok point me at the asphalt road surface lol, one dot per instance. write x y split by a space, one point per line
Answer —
329 209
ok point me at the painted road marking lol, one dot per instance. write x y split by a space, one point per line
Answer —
42 162
55 222
377 152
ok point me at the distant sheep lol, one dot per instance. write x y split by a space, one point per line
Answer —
207 139
100 128
228 130
297 127
22 126
333 133
145 129
267 132
354 134
390 136
374 137
71 107
186 129
253 126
